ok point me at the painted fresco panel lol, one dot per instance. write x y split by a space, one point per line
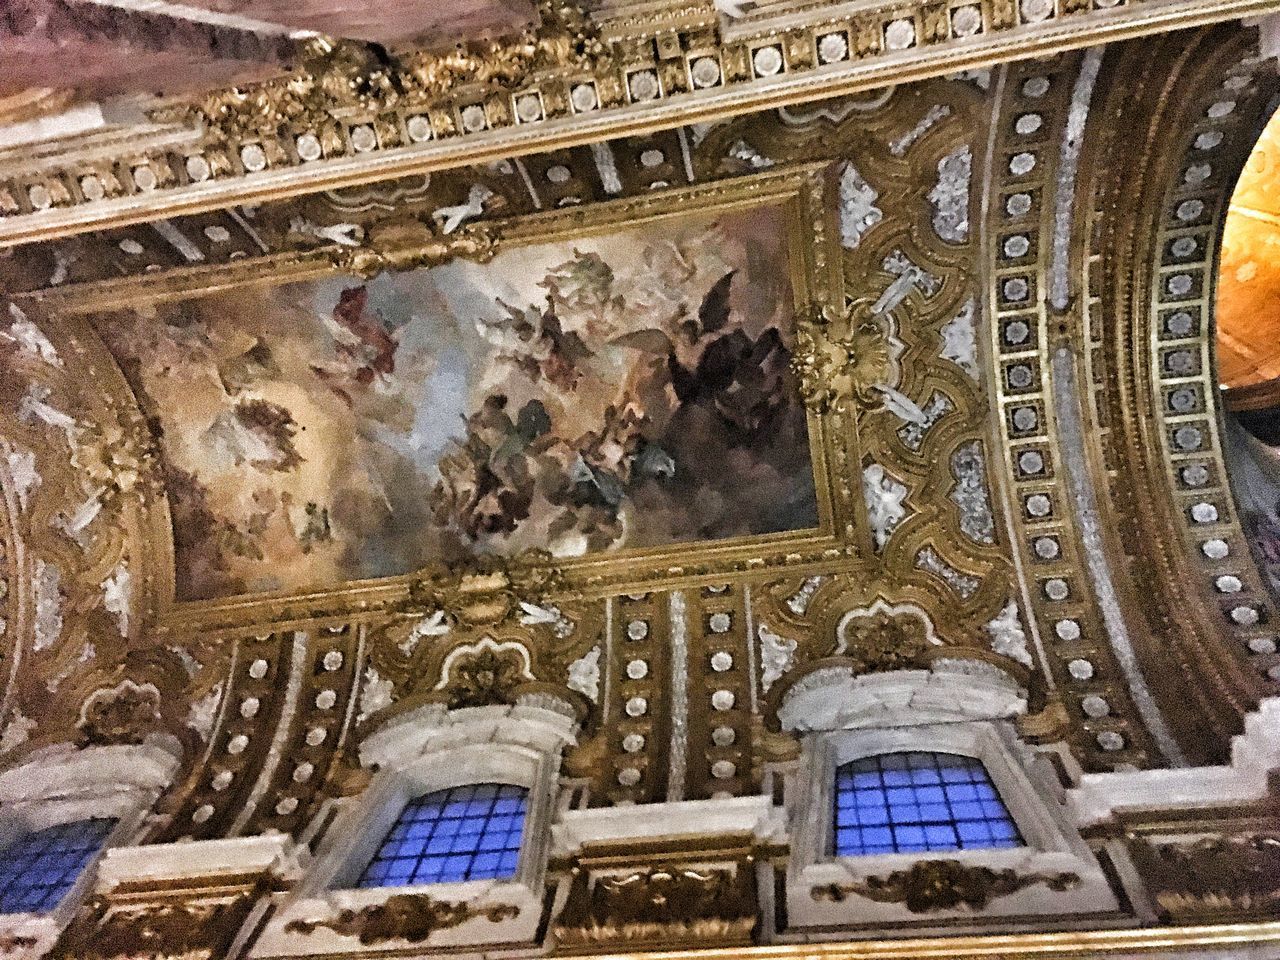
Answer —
612 392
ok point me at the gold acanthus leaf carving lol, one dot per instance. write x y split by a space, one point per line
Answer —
843 356
930 885
409 917
654 905
1216 874
488 677
341 78
488 590
413 245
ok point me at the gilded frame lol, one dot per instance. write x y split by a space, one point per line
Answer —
815 270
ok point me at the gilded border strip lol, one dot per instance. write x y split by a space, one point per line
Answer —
646 83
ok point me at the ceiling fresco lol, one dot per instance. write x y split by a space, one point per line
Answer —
624 390
590 392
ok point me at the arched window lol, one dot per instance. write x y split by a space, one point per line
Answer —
465 833
38 868
918 801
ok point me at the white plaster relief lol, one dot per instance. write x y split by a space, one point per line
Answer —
937 112
835 699
75 524
858 210
970 493
22 472
376 694
1075 459
798 602
49 600
342 234
963 584
29 339
1068 162
117 595
913 433
34 407
607 167
1007 636
909 276
203 713
677 758
950 195
884 497
749 155
16 732
451 218
777 656
960 340
433 625
584 675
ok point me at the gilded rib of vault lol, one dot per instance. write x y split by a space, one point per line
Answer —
665 424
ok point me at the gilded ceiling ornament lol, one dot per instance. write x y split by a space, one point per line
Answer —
475 675
191 929
125 713
489 591
930 885
670 903
843 356
408 246
338 78
1216 873
410 917
884 636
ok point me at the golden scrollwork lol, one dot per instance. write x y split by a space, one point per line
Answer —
338 77
409 917
125 713
842 356
661 904
412 245
487 591
930 885
1216 874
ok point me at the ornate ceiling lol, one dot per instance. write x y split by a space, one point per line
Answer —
436 383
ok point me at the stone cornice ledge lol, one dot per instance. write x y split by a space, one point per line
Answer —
68 194
1254 755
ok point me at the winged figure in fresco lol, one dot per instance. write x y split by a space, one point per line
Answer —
534 341
741 377
365 348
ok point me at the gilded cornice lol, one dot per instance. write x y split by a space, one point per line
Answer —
350 117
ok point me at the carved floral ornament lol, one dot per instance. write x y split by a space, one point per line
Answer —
122 714
932 885
341 76
408 917
846 356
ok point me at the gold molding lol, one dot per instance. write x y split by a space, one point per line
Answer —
50 199
1018 946
800 192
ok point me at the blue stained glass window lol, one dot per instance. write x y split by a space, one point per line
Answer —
466 833
918 801
37 869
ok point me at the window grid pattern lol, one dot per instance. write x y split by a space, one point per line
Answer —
465 833
918 801
38 868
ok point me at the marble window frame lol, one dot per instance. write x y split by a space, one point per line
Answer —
66 785
1051 843
418 752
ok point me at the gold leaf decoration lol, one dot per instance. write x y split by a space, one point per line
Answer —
410 917
930 885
